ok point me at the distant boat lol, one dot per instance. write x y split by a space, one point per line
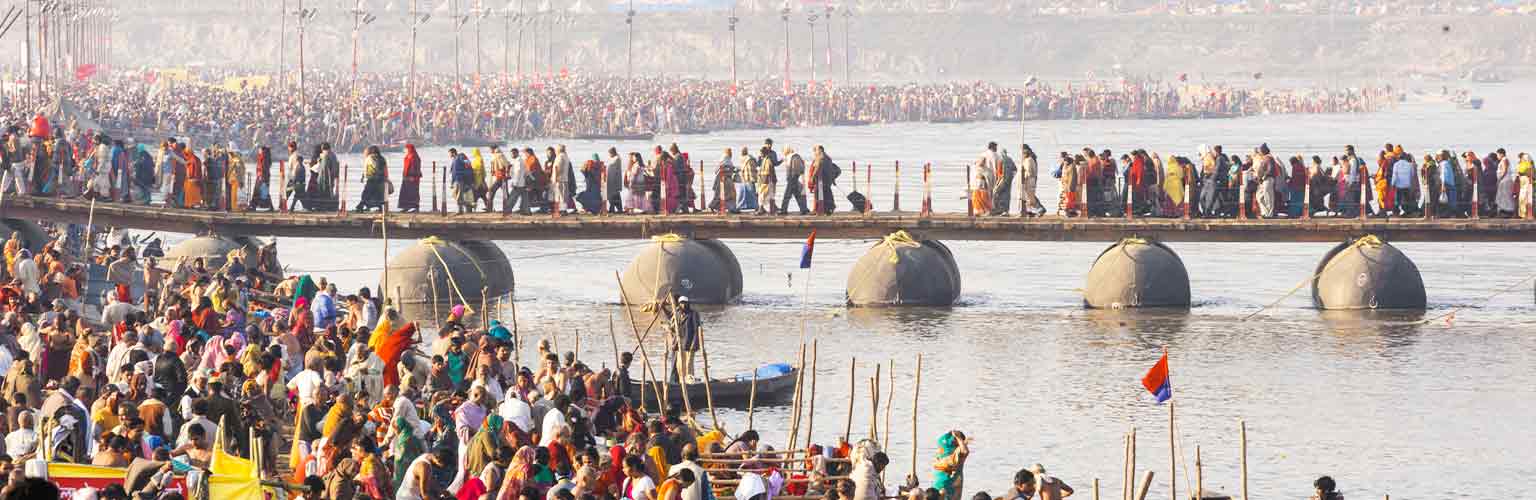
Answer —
849 123
1473 103
950 120
636 136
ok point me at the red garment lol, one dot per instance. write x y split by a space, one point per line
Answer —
392 348
40 127
411 170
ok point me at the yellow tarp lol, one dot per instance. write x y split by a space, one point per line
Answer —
78 471
232 477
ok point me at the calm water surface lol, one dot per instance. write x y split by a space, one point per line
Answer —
1384 404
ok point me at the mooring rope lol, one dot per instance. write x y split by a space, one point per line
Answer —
1370 240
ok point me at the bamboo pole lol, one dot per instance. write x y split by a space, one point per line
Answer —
810 414
1146 482
709 394
1133 461
432 279
1095 488
752 403
1199 476
1125 468
612 337
853 389
794 422
1242 440
890 397
517 338
917 389
639 342
484 291
1173 461
874 410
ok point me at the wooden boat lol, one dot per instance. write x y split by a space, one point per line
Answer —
635 136
849 123
775 382
951 120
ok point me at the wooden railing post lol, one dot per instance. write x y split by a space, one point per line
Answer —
1306 197
896 192
1189 184
341 191
434 187
927 206
869 185
700 196
1082 187
1476 198
1364 181
970 206
1130 199
282 194
602 206
1242 195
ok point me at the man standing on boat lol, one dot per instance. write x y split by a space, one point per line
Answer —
685 320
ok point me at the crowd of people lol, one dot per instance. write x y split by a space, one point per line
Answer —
247 109
1265 184
209 355
42 160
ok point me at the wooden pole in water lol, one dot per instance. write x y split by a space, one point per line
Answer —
432 279
434 185
794 421
1133 461
517 339
615 339
853 389
874 411
709 395
1199 476
890 397
810 414
896 192
1173 463
1146 483
639 342
1126 477
1095 488
917 389
1242 446
752 403
869 185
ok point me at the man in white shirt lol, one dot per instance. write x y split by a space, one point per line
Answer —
118 356
307 383
553 419
21 444
199 418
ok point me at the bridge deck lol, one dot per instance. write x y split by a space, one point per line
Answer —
845 225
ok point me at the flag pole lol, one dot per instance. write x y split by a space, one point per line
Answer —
1173 485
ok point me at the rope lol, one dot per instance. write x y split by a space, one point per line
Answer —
898 239
433 242
479 261
1369 240
1451 316
668 238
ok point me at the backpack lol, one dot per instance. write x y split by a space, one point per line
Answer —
834 171
857 201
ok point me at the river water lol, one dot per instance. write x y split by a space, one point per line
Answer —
1385 405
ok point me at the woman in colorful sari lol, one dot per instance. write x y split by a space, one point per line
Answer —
1175 171
410 181
340 429
519 475
192 188
482 448
949 468
406 447
261 189
637 183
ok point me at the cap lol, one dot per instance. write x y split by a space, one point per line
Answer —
683 299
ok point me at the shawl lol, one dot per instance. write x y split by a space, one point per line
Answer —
405 448
519 474
944 480
468 416
482 448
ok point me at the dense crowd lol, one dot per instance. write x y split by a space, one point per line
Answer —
1262 183
41 160
244 110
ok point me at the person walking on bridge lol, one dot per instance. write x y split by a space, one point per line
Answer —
410 181
794 187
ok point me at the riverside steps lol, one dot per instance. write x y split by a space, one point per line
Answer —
845 225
